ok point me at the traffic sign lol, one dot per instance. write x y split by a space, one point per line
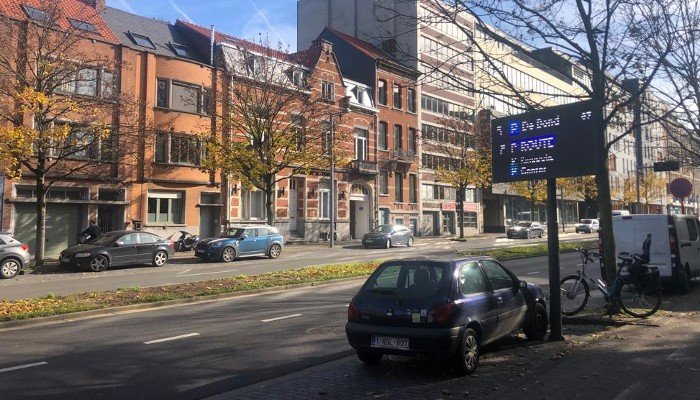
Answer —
681 187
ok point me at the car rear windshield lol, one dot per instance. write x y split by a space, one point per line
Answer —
586 221
408 280
525 224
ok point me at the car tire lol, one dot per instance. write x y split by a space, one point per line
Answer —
536 328
466 359
275 251
409 242
365 246
9 268
683 282
228 254
160 258
541 234
387 244
98 263
369 358
528 235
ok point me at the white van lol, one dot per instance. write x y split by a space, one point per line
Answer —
675 244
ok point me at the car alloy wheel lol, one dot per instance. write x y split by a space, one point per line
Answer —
275 251
409 243
99 263
467 356
387 244
228 254
9 268
160 258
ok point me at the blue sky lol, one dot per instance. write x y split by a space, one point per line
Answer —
246 19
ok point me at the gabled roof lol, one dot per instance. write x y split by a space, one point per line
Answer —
151 35
224 38
366 48
84 18
308 57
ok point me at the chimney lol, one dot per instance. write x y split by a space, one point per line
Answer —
324 44
98 5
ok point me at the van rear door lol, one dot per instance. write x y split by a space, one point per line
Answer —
631 230
688 233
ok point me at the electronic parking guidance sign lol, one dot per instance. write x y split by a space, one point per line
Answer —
549 143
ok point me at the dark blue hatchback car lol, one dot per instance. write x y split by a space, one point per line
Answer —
442 308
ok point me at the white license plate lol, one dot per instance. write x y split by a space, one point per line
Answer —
65 259
388 342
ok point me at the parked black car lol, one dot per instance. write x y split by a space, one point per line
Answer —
118 248
442 308
388 235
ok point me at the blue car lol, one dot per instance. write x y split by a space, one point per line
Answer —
241 241
442 308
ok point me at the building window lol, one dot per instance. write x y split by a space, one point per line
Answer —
327 91
469 219
397 96
85 143
253 204
89 82
165 208
384 216
411 100
35 14
324 203
180 96
383 136
82 25
384 182
412 140
398 140
142 40
381 92
181 50
172 148
361 144
412 188
398 187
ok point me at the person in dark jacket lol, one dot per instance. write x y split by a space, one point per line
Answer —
92 232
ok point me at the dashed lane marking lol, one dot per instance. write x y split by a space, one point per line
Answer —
36 364
171 338
284 317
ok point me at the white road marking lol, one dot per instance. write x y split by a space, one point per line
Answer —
36 364
171 338
279 318
208 273
629 392
532 273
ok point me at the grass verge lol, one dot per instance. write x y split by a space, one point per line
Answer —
56 305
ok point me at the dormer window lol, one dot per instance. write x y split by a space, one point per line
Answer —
82 25
298 78
141 40
35 14
181 50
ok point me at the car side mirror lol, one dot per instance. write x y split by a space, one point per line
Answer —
118 243
243 236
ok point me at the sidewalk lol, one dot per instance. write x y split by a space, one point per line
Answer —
601 357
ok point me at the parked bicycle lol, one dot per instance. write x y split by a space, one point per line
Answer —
638 296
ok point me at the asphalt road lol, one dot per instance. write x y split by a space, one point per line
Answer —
188 351
53 280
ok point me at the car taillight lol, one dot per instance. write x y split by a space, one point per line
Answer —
172 245
24 247
440 314
353 312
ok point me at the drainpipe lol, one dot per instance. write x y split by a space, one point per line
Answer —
211 47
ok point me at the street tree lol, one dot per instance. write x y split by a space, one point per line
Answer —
651 188
57 101
610 42
464 142
276 120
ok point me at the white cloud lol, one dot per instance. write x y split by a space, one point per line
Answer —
123 5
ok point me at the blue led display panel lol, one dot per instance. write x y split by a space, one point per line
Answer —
549 143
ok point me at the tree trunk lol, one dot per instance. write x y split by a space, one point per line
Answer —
40 220
270 201
460 211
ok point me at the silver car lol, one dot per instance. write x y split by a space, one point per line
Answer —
14 256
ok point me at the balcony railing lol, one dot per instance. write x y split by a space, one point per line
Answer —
364 167
403 155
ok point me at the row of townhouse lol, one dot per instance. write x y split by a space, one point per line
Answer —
165 85
454 79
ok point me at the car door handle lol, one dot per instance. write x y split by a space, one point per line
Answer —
499 300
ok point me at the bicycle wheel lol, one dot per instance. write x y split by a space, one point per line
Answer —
639 303
572 302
